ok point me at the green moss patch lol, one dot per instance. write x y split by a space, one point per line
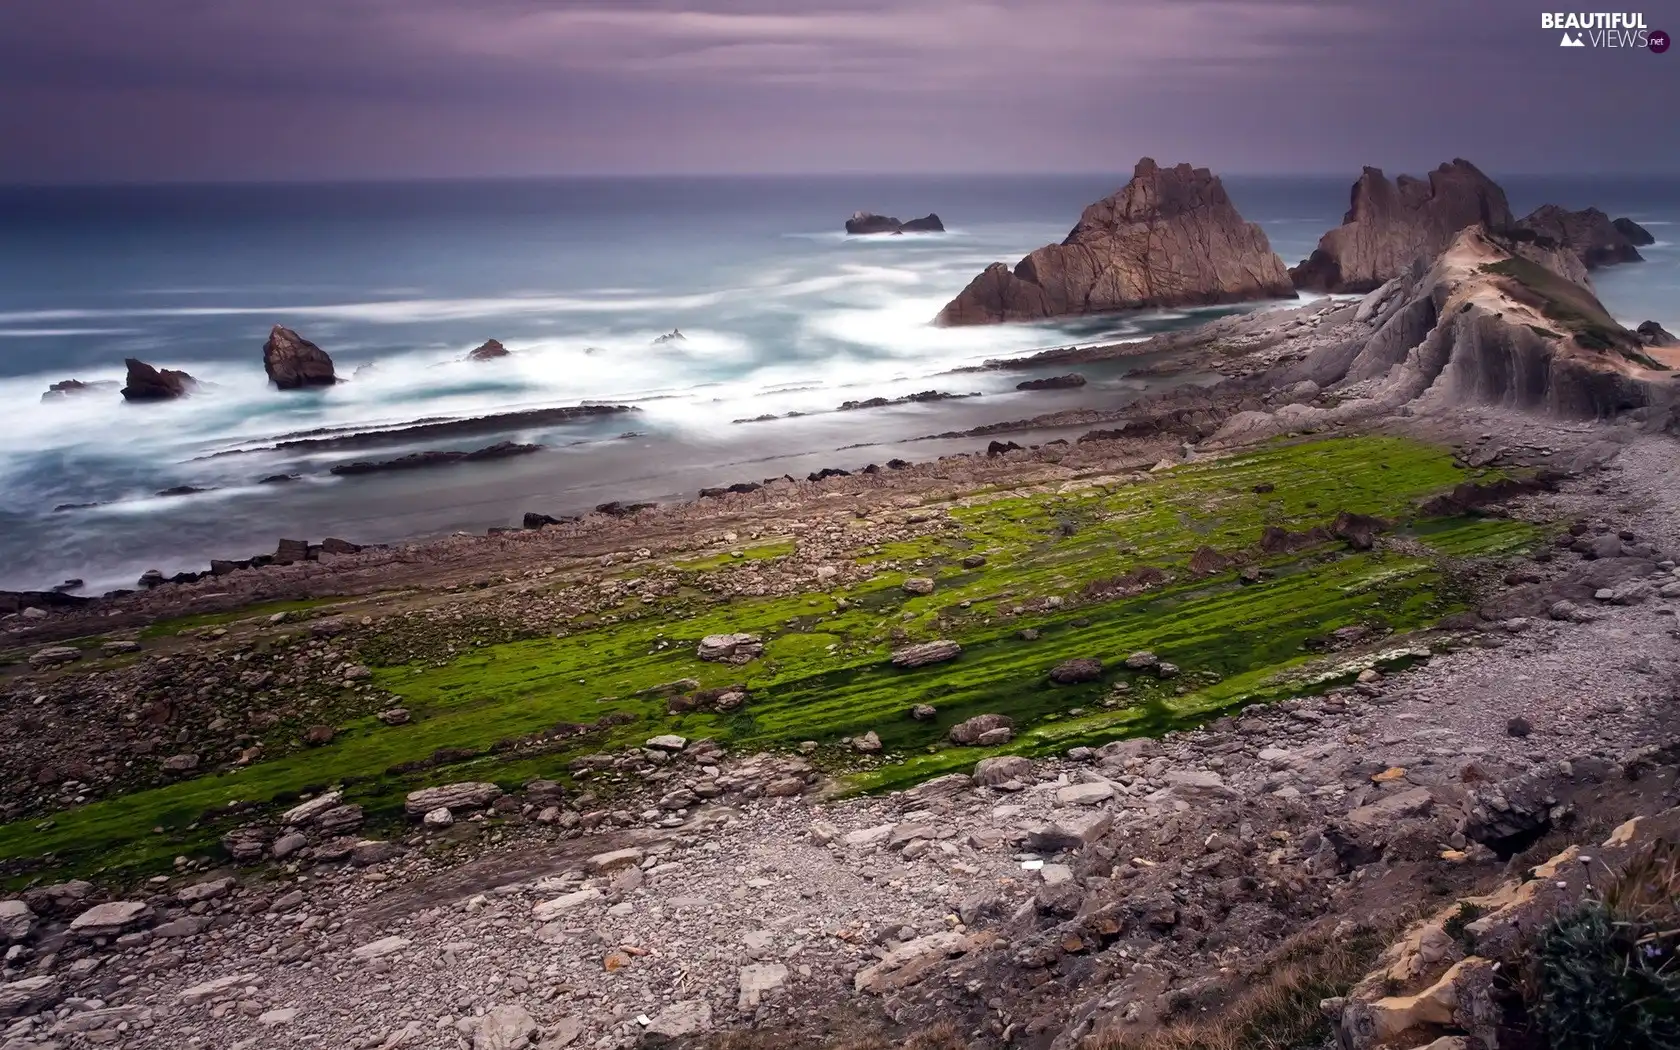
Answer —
1054 587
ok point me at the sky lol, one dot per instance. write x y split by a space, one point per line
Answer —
146 90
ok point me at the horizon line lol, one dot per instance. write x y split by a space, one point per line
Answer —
355 180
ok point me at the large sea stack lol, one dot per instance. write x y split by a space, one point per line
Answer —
1391 225
146 383
1171 237
1590 234
293 362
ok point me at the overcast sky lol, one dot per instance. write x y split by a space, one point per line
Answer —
116 90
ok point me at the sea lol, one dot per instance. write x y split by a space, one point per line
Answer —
781 314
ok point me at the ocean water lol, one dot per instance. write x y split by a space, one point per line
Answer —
781 312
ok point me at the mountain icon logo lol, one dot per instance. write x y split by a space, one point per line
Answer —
1571 41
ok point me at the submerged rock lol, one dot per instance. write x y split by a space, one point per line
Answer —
72 387
1069 381
293 362
1636 235
1391 225
1170 237
147 383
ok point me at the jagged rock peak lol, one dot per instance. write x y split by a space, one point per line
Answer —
1169 237
146 383
491 350
293 362
1590 234
1391 225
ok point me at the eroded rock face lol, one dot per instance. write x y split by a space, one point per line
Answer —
1590 234
1171 237
294 363
147 383
1391 225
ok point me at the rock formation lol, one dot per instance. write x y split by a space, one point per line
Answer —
491 350
418 460
72 387
1589 234
867 222
1636 235
1496 320
146 383
1389 226
1171 237
1653 334
293 362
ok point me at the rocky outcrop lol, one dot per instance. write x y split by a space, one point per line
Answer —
73 387
867 222
1590 234
419 460
1171 237
146 383
1494 321
1636 235
294 363
1067 382
1391 225
1653 334
491 350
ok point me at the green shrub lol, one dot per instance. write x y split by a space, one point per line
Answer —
1608 973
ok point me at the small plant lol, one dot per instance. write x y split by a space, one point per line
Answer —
1457 925
1608 973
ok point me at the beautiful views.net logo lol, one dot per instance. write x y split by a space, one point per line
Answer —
1605 29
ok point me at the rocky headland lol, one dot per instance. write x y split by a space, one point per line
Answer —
1170 237
1590 234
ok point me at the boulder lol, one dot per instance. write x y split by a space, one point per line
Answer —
17 921
54 655
294 363
1389 226
1590 234
30 995
972 730
506 1027
990 772
924 653
491 350
917 585
1074 672
110 919
467 795
1170 237
868 744
730 648
146 383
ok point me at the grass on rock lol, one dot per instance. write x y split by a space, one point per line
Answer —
825 673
